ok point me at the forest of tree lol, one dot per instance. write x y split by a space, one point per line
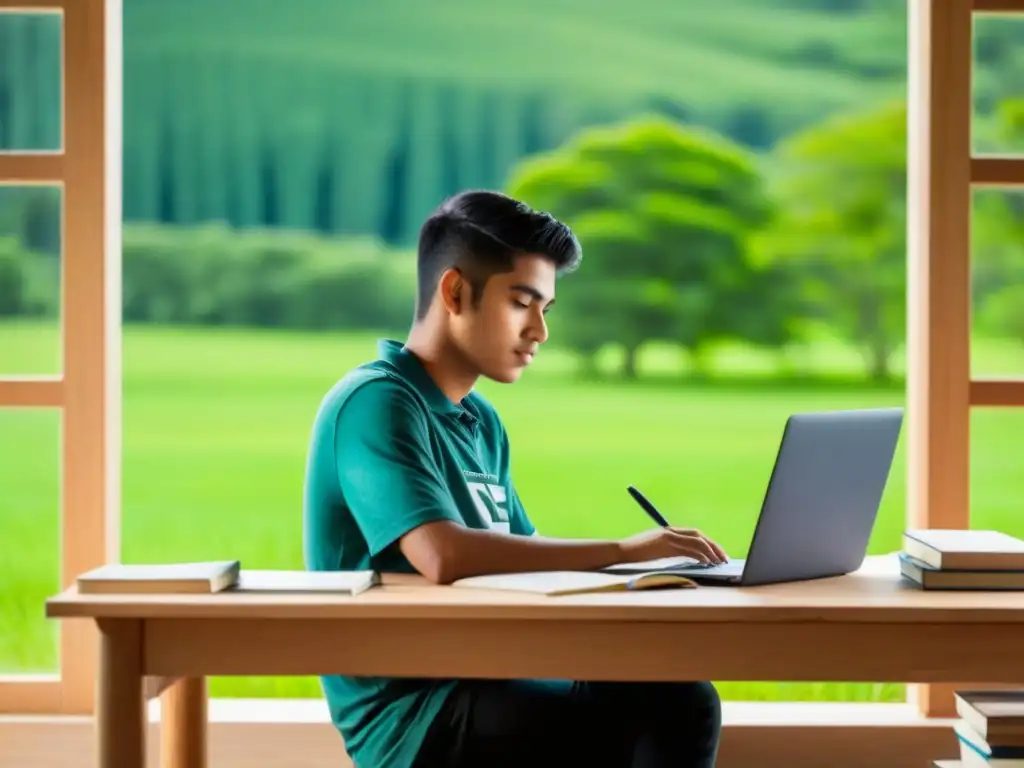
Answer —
739 176
347 118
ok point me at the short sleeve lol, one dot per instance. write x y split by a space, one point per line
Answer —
518 521
386 470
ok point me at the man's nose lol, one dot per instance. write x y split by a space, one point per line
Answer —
538 330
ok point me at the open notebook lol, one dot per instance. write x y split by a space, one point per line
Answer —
298 582
556 583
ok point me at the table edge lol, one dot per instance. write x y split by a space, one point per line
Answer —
534 612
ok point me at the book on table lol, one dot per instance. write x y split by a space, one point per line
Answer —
560 583
218 577
160 578
928 577
953 549
962 559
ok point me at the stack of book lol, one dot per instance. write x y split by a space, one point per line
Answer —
990 730
962 559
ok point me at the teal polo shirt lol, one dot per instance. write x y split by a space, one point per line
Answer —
389 452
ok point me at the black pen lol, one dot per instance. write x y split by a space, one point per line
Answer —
654 514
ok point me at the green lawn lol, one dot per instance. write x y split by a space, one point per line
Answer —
215 431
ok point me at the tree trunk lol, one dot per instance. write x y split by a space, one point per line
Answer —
879 360
871 327
588 364
629 363
699 362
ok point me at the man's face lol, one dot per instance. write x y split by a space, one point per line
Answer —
501 334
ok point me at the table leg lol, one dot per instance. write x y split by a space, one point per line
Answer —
120 708
183 724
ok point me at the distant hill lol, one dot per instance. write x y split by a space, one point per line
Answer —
720 61
357 117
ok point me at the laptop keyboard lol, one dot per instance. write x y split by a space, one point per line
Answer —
671 564
728 568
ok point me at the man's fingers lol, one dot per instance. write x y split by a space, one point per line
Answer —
718 550
699 555
710 551
699 548
691 546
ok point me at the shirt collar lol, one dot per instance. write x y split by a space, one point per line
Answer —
407 364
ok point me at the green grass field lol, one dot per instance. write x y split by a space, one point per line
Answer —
215 431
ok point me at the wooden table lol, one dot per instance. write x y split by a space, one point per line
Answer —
868 626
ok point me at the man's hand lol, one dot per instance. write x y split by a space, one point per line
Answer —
671 542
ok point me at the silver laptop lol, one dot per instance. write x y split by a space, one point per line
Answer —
820 505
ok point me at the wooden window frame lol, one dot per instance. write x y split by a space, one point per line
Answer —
941 173
87 391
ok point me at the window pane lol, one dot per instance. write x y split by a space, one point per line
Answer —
272 208
30 545
997 484
998 124
31 109
997 267
30 268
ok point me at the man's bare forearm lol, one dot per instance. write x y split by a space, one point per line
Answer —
445 552
479 552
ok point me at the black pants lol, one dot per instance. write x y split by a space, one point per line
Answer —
540 723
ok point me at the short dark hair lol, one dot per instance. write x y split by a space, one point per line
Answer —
481 232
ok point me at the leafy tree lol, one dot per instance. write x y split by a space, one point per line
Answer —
664 215
841 191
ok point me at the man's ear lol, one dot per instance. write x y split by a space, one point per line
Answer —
453 291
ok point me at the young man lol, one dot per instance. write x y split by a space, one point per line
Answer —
408 470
